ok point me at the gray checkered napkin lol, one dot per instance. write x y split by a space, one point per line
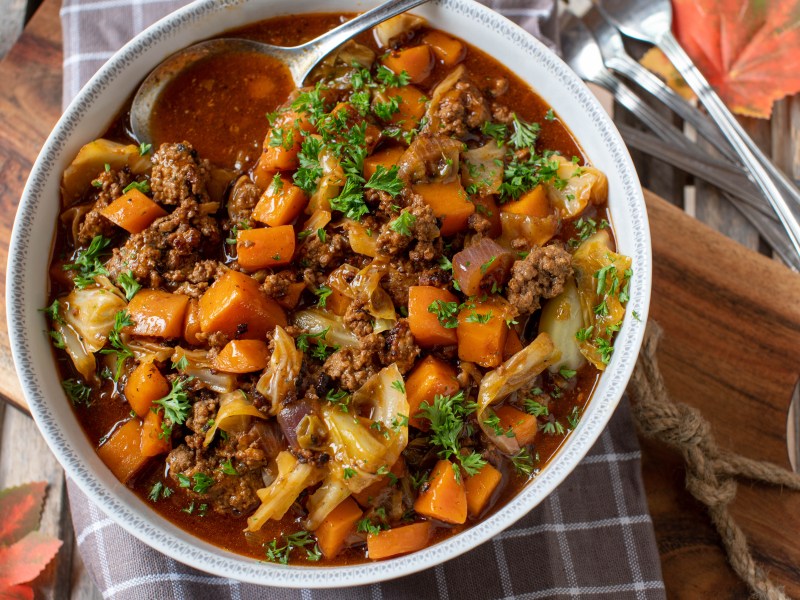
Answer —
592 537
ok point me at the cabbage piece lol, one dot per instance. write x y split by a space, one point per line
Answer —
88 318
430 158
330 494
361 242
234 414
603 277
315 321
293 477
514 374
583 185
395 27
483 167
318 220
330 183
445 86
201 367
91 161
278 380
368 282
562 319
72 218
146 351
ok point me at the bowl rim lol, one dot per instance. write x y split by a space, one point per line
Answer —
125 508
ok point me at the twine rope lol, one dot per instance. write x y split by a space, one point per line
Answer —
710 470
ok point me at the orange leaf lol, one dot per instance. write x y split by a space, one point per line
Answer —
20 508
16 592
747 49
23 561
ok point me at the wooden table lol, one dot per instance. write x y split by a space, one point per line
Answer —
731 321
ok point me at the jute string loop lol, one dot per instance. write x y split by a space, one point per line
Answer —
710 470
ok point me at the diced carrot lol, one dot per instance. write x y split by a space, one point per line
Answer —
122 452
482 332
523 425
265 247
292 296
443 497
133 211
263 172
236 306
340 522
448 50
412 106
337 302
145 385
191 324
242 356
157 313
486 206
398 540
282 142
480 488
513 345
416 61
154 442
425 326
533 204
371 492
280 203
386 158
430 377
449 203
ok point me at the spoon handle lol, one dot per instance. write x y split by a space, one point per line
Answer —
316 50
752 158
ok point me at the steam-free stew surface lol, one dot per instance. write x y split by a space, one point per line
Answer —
220 108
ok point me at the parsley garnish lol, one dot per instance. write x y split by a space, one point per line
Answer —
322 292
399 386
142 186
228 468
475 317
202 482
524 134
532 407
339 398
366 525
498 131
549 115
145 148
403 223
87 262
118 347
300 539
77 391
385 110
523 462
349 473
351 200
53 313
385 180
567 373
446 312
176 404
128 284
387 77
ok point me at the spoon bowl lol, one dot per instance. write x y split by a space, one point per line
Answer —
299 60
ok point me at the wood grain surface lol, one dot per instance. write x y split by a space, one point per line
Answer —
730 348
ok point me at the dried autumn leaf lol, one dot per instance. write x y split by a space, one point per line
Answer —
24 560
17 592
20 508
657 62
747 49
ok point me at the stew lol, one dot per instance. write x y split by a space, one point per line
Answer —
348 329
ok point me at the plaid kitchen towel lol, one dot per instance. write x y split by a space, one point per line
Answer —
592 537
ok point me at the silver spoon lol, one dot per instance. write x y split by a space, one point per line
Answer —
300 60
651 21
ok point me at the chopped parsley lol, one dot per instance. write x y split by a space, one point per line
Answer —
118 347
53 313
228 468
387 77
145 149
386 180
567 373
523 462
399 386
141 186
476 317
300 539
322 293
176 404
351 200
535 408
77 391
497 131
87 262
128 284
339 398
404 223
446 312
524 134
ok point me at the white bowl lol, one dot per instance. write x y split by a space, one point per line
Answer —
87 118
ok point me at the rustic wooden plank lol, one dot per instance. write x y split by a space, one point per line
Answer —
730 349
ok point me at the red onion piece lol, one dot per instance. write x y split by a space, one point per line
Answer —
481 265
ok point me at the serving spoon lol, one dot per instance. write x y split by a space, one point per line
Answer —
300 60
651 21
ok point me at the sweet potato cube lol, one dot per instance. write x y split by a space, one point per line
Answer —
145 385
533 204
417 61
513 345
430 377
480 488
133 211
154 442
265 247
242 356
482 333
448 50
292 297
449 202
236 306
386 158
443 497
340 522
157 313
280 203
523 425
399 540
412 106
122 452
191 323
425 326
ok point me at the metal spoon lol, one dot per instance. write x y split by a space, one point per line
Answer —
300 60
651 21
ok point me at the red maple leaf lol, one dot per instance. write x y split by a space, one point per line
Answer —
23 561
17 592
20 507
747 49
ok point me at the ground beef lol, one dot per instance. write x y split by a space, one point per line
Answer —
357 319
424 232
277 285
462 109
496 86
178 175
169 248
202 410
351 366
479 223
400 347
242 200
194 283
436 277
541 274
111 186
323 256
380 201
502 113
403 274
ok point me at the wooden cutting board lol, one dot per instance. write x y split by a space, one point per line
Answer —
731 344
